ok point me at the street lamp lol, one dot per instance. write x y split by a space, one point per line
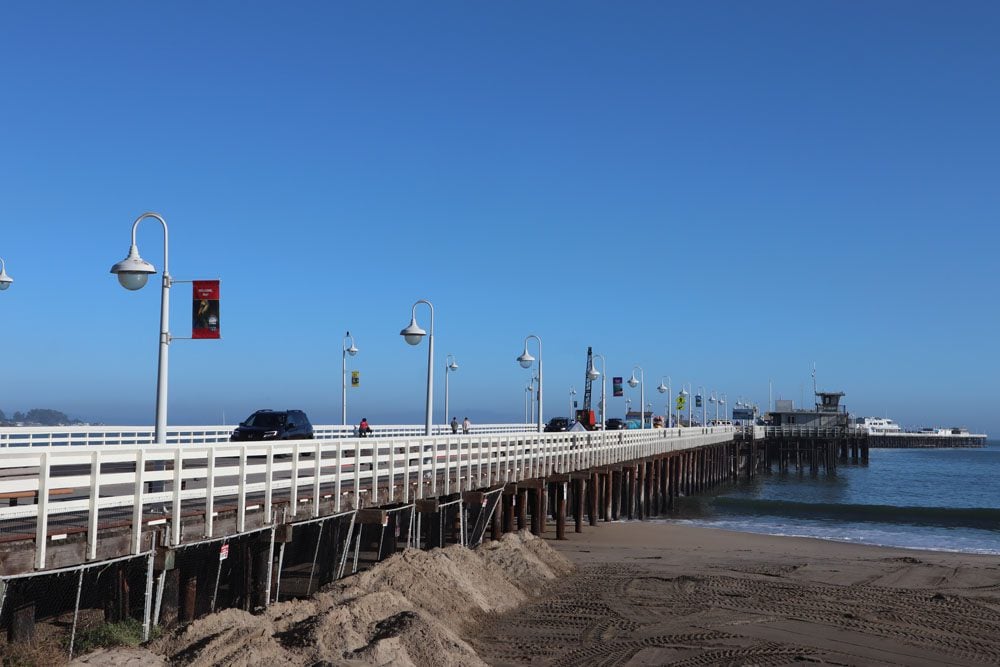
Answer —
683 392
713 399
690 402
413 334
526 360
5 280
632 382
531 399
529 405
133 272
352 350
572 393
593 374
722 401
666 388
704 405
449 367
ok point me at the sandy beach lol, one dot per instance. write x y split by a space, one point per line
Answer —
655 593
641 593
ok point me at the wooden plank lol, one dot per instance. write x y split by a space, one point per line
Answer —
283 532
427 505
474 498
373 516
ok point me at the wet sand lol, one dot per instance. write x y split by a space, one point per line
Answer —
656 594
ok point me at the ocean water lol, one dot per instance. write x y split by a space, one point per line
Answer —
939 499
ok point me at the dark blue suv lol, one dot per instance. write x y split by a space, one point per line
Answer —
274 425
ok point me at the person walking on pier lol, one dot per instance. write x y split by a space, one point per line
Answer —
466 425
454 425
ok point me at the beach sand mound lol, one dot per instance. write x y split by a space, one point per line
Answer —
411 609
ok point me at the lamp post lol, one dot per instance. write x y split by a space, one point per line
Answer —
352 350
722 401
668 390
572 393
593 374
5 280
449 367
526 360
529 411
632 382
412 334
683 392
713 399
704 406
690 402
133 272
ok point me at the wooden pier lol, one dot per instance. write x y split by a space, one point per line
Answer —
789 447
257 558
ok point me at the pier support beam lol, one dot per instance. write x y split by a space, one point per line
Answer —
595 496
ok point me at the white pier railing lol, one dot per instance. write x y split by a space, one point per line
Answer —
47 436
207 490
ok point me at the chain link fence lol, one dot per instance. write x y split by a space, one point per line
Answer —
49 618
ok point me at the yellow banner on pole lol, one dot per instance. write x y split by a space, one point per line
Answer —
355 378
680 401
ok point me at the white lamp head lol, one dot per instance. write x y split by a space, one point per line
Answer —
633 381
413 334
525 359
662 388
352 350
5 280
453 366
592 373
133 271
684 392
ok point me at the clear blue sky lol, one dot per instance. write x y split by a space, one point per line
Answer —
722 192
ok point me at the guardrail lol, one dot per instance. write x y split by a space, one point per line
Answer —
210 490
47 436
808 432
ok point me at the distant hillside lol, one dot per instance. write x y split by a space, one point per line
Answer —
38 417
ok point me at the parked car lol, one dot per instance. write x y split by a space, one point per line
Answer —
274 425
614 424
557 424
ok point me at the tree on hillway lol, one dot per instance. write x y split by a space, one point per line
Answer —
46 417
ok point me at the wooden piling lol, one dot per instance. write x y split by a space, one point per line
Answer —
608 494
560 490
578 490
595 496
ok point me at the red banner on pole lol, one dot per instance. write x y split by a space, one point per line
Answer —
205 315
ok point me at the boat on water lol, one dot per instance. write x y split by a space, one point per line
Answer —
884 432
877 425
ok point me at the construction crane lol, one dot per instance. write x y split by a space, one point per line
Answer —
585 415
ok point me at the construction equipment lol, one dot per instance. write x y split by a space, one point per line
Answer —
585 415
